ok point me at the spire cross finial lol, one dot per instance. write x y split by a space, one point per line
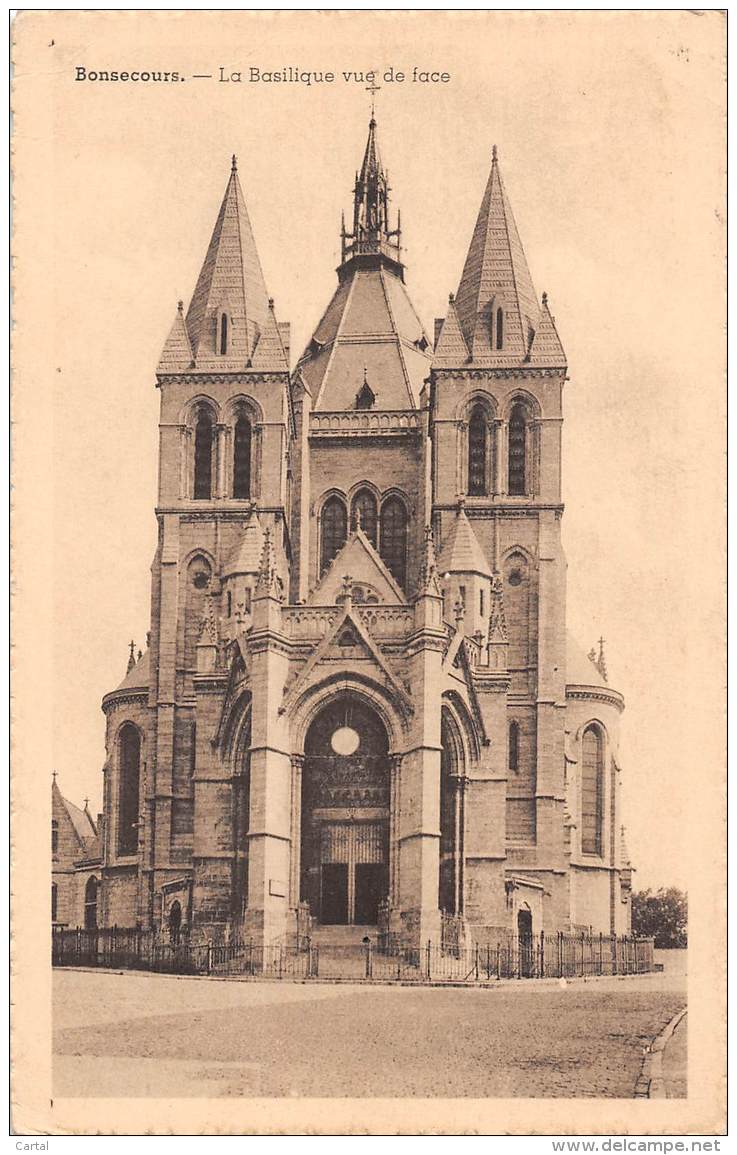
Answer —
86 803
234 163
373 88
53 775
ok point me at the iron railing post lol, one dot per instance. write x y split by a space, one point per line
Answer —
498 960
429 957
542 954
476 962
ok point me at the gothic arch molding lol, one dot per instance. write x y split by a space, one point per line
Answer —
311 701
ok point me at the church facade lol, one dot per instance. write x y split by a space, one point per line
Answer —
359 703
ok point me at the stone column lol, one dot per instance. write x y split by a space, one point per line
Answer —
501 456
296 831
185 440
221 459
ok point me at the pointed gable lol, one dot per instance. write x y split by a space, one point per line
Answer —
177 352
547 350
359 559
451 348
270 354
496 275
231 282
461 551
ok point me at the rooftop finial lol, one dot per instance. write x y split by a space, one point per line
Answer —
53 775
234 163
180 306
373 88
132 657
545 298
601 660
493 152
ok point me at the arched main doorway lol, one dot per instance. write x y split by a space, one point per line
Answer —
345 814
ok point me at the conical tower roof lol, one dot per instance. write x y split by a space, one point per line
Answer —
495 276
231 283
245 557
461 551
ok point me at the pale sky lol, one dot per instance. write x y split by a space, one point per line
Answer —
610 136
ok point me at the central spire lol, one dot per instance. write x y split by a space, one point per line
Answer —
371 233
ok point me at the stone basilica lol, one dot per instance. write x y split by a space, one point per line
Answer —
359 703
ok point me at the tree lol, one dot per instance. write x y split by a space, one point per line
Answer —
662 916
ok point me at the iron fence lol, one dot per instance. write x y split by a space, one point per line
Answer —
508 957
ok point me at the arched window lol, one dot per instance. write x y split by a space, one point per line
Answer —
242 458
333 530
518 450
54 900
592 791
500 328
364 507
175 921
514 746
203 457
128 797
90 904
477 452
54 837
229 603
223 334
393 543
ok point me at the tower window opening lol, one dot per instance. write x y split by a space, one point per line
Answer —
229 603
393 541
477 452
518 451
364 510
514 746
242 458
203 458
54 900
223 334
54 837
333 530
481 602
500 328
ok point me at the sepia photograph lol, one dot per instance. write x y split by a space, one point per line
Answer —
369 756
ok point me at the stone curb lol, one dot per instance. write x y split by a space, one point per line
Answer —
497 984
651 1084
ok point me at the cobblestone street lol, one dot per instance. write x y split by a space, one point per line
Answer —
155 1035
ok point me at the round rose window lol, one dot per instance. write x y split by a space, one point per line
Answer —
345 740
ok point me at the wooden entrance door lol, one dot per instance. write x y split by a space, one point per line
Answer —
353 872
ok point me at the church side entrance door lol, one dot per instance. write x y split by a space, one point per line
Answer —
353 872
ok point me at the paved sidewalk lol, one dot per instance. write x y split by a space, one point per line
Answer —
675 1062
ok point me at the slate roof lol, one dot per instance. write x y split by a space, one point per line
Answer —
357 558
580 670
245 557
496 274
370 330
370 325
138 677
231 280
460 551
